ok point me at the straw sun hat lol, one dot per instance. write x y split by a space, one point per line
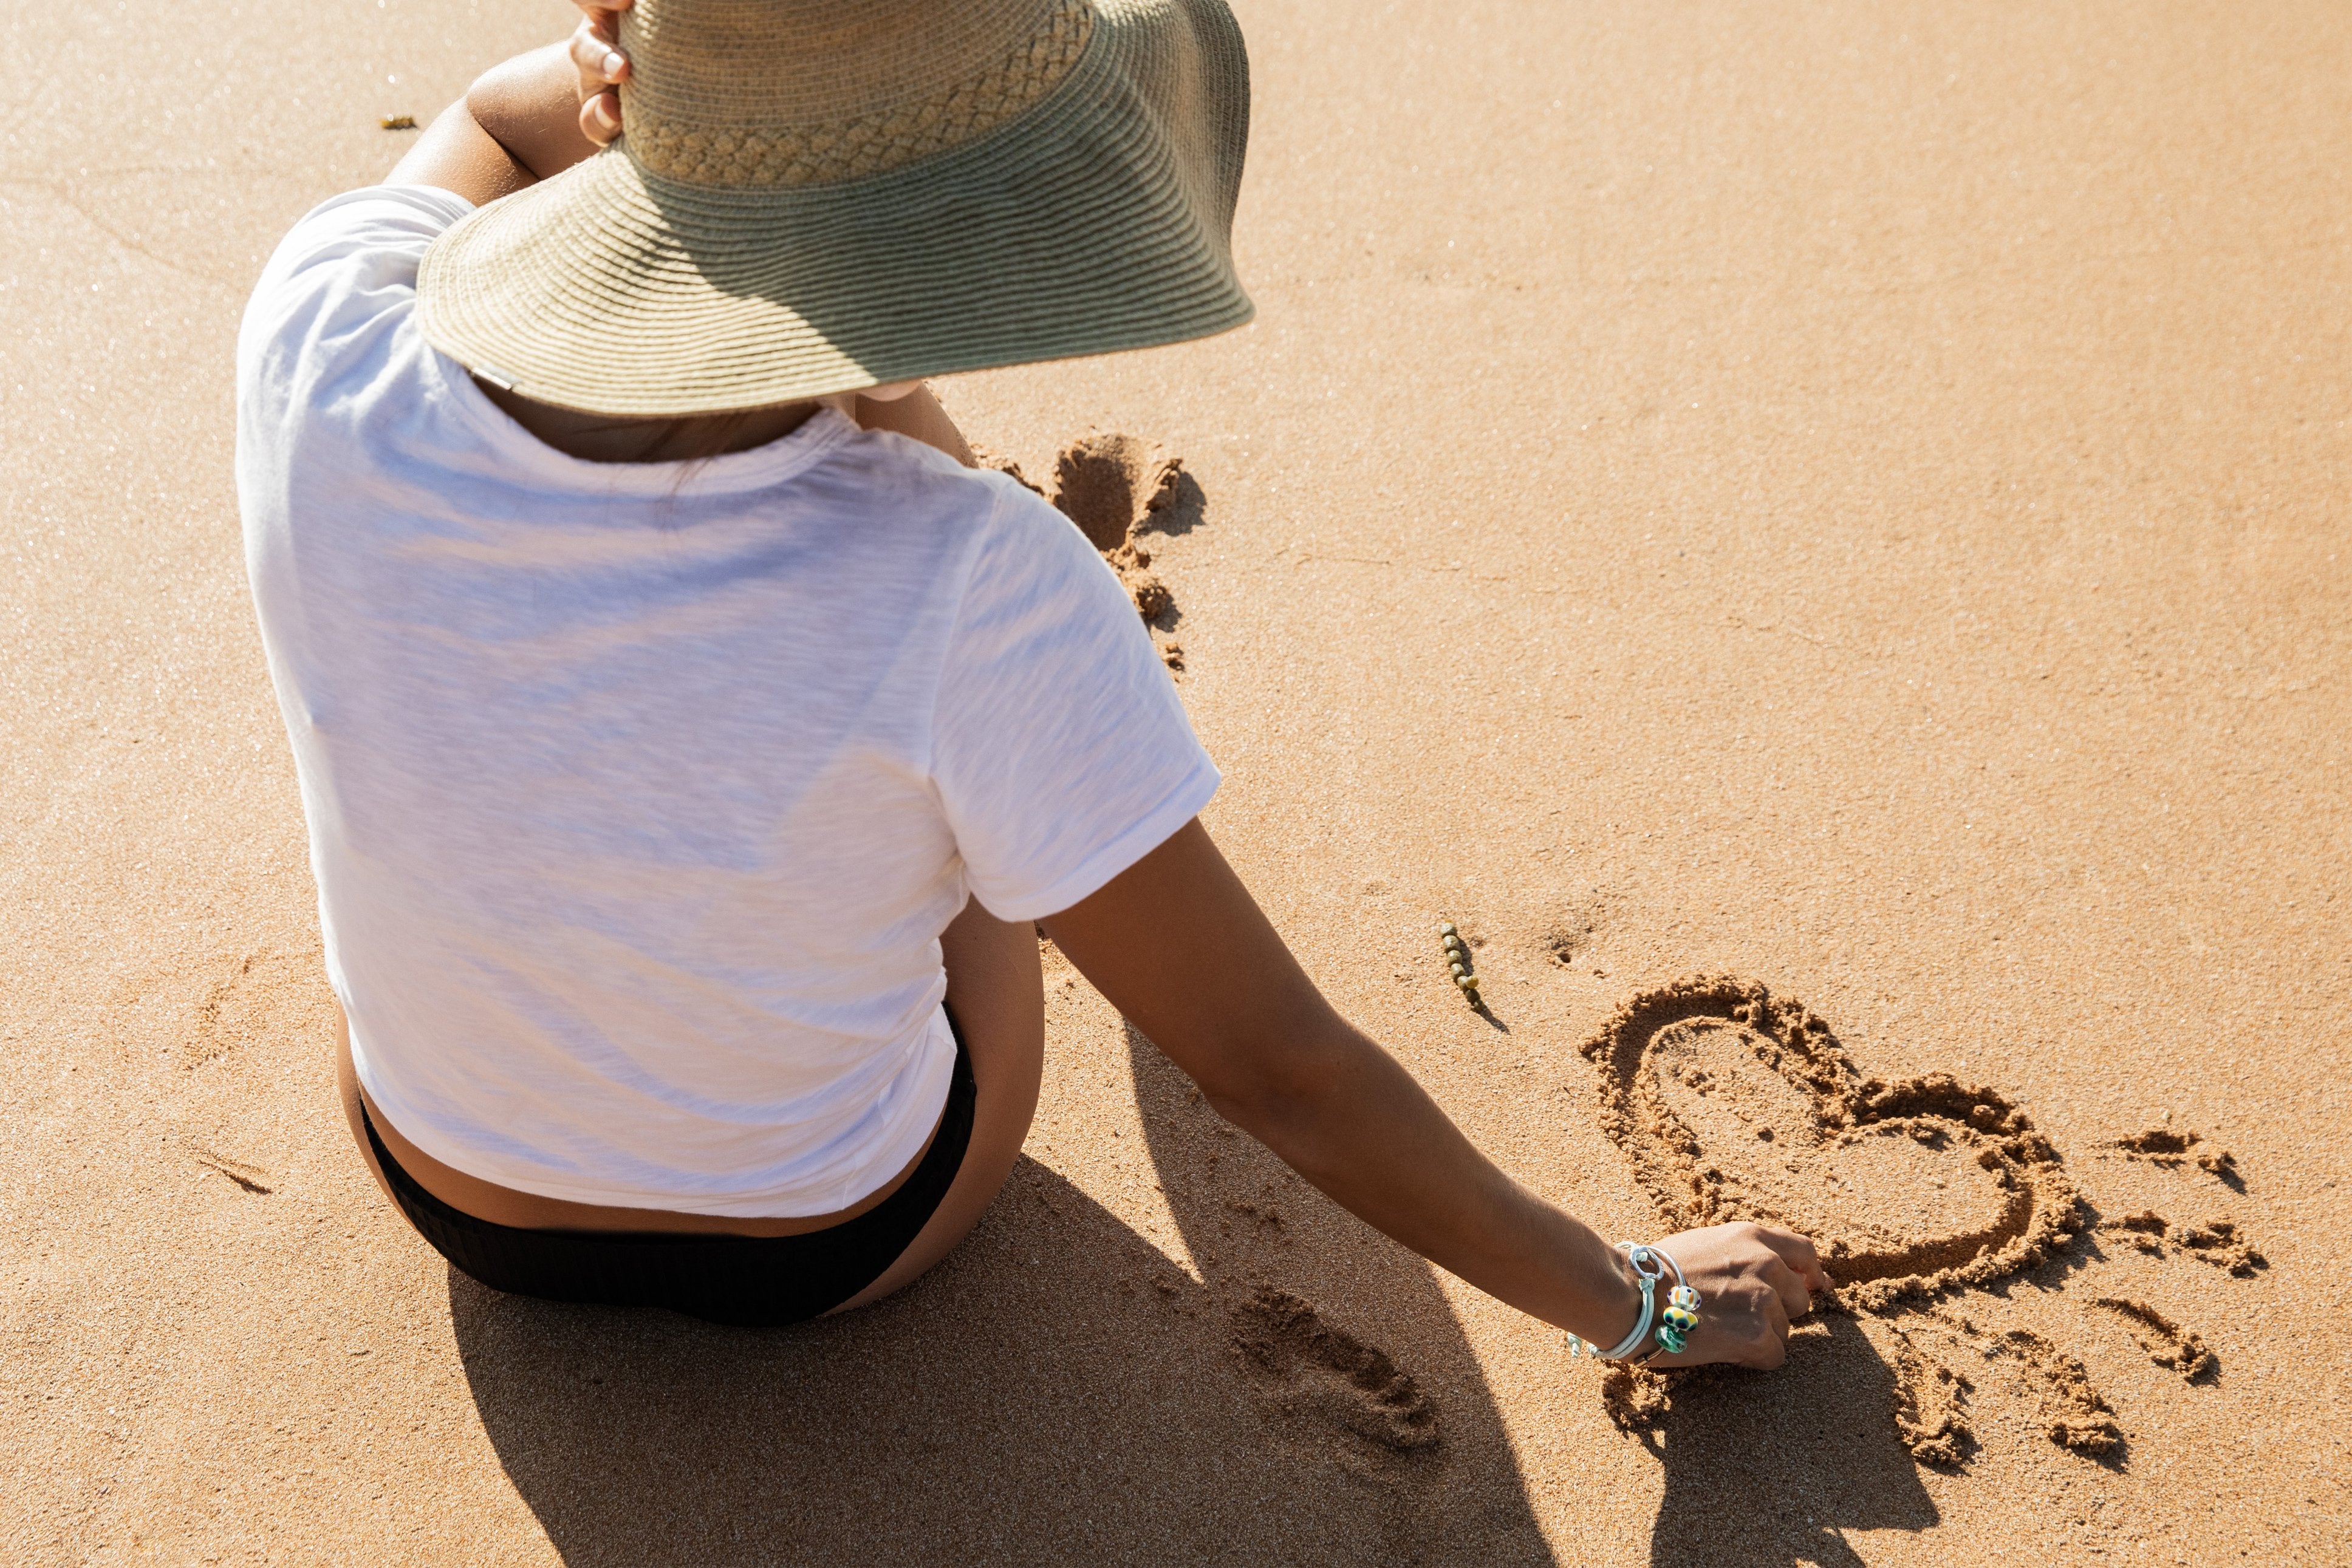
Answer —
817 195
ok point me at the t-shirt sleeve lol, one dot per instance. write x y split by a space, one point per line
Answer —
346 268
1061 752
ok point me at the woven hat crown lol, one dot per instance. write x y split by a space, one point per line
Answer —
812 196
797 92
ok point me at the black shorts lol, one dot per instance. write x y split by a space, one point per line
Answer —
751 1282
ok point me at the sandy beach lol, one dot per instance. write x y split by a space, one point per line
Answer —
1846 501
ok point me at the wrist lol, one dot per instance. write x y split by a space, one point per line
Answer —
1615 1292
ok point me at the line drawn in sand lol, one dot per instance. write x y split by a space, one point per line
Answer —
1735 1104
2165 1342
246 1174
2215 1241
2163 1147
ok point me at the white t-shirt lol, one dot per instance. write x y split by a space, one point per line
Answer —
640 793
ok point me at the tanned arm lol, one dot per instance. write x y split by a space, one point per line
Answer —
456 154
1179 945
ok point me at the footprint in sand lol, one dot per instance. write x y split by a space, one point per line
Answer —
259 1003
1116 488
1330 1382
262 994
1732 1104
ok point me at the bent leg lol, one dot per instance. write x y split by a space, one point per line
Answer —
996 989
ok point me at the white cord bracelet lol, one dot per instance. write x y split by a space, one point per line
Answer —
1647 1279
1675 1325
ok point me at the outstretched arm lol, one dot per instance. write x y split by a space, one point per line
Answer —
1179 945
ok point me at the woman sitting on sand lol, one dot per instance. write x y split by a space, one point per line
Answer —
689 735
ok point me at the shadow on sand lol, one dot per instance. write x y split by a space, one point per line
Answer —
1057 1391
1769 1470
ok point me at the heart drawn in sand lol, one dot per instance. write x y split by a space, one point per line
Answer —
1735 1105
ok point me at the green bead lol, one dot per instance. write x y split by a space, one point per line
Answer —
1671 1339
1467 982
1680 1319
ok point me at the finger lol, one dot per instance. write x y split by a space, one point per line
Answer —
598 52
600 118
605 21
1788 1288
1799 1253
587 60
599 64
1795 1250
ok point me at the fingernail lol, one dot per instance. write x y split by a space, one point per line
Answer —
614 63
604 115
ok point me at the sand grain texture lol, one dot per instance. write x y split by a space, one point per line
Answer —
1849 498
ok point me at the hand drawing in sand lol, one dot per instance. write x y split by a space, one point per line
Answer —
1926 1197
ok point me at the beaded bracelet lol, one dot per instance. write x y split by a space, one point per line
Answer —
1675 1325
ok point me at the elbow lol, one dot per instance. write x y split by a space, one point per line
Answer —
1268 1091
516 100
488 101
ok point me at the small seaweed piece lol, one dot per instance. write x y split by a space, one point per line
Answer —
1458 960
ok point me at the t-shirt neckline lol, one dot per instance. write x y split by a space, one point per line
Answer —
729 472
